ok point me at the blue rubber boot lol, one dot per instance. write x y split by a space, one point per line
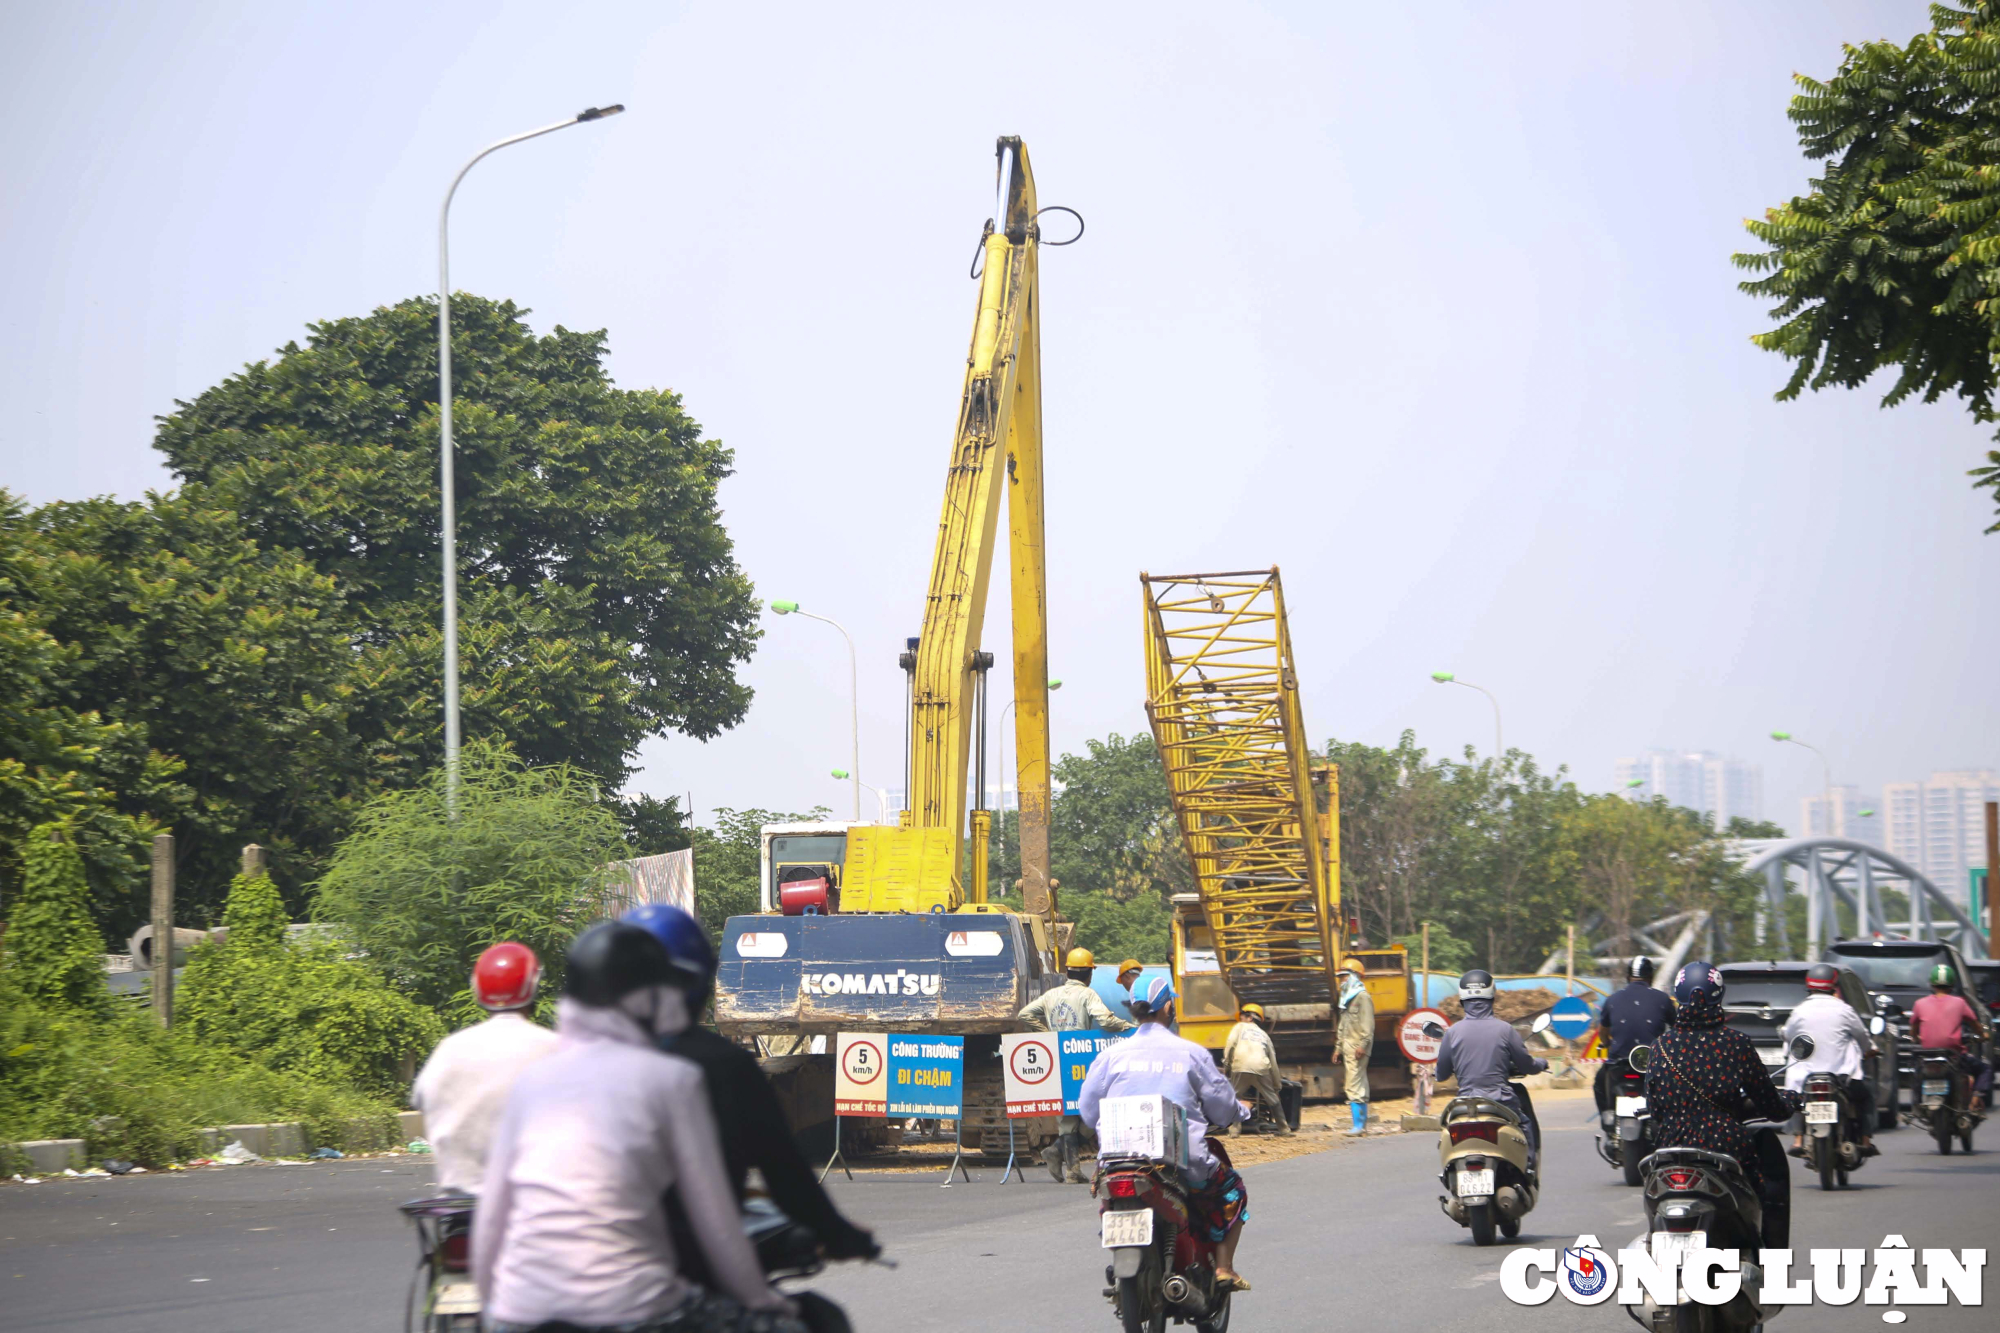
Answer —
1359 1110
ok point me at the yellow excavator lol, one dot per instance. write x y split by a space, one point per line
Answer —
1261 821
890 928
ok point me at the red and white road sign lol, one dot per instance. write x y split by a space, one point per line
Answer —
1417 1045
1029 1062
860 1069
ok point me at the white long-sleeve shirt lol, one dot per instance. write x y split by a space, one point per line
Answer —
463 1089
571 1226
1154 1060
1839 1037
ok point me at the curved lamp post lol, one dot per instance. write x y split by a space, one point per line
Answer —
853 692
1447 678
446 480
1826 767
881 797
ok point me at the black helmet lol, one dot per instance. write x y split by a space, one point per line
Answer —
1823 977
611 959
1641 969
1477 985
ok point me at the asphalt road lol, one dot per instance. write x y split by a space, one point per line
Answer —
1348 1235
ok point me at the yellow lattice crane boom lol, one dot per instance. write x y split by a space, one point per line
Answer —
1222 697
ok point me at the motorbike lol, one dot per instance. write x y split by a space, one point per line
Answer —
1483 1163
1627 1128
1833 1135
1695 1199
450 1300
786 1250
1160 1267
1943 1103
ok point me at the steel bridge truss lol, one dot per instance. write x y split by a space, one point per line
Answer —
1222 699
1852 874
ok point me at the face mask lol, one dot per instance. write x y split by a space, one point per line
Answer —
661 1010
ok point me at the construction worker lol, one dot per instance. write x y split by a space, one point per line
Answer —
1251 1063
1356 1036
1128 974
1071 1007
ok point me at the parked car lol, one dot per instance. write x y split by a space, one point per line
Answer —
1761 996
1898 974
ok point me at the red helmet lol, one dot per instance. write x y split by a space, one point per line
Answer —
505 977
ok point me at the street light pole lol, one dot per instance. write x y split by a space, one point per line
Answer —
446 478
881 797
1499 750
853 691
1826 772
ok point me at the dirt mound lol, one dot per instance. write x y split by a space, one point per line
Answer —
1513 1005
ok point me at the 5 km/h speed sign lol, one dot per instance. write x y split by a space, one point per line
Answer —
860 1060
1419 1046
1034 1086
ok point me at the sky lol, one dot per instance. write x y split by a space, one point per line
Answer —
1430 307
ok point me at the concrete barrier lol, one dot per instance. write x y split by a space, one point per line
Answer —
52 1156
412 1123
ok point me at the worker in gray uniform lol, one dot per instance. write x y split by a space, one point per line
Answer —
1071 1007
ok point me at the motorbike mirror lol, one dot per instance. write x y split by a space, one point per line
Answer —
1877 1026
1802 1046
1640 1057
1541 1023
1433 1031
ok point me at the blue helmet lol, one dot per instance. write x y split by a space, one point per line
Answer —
681 935
1698 983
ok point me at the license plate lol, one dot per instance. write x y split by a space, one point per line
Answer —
1683 1243
1475 1184
1822 1113
1937 1087
455 1298
1128 1228
1629 1106
1771 1055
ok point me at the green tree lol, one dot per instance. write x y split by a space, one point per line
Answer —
1891 260
1111 827
601 599
421 891
54 950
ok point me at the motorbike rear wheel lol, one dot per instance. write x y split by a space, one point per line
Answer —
1217 1320
1823 1155
1965 1141
1480 1216
1631 1164
1941 1131
1132 1307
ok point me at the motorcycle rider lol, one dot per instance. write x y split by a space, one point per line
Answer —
747 1114
463 1086
1156 1061
1939 1021
1840 1041
1071 1007
1486 1054
1632 1016
1251 1062
1356 1038
1704 1080
571 1229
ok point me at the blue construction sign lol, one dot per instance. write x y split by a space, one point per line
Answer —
926 1077
1074 1052
1571 1017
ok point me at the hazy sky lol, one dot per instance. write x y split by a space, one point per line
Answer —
1430 306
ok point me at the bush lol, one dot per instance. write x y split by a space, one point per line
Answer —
131 1090
422 893
53 946
302 1008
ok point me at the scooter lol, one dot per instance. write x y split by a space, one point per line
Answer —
1697 1200
1944 1101
1627 1128
1833 1136
1160 1267
1483 1163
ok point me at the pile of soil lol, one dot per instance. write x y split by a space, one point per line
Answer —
1513 1005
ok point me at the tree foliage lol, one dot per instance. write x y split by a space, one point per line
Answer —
1891 260
54 950
421 890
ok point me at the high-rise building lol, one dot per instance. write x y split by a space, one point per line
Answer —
1939 825
1719 787
1854 815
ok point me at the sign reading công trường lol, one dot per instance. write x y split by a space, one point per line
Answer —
926 1077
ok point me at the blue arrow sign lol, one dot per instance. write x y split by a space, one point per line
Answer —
1570 1018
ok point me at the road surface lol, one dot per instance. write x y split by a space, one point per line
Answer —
1354 1233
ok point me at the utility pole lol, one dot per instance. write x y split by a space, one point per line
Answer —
163 928
1992 869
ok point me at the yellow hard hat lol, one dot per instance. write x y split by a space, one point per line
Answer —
1130 965
1354 965
1253 1009
1080 958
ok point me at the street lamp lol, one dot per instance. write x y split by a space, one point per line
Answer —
881 797
446 481
853 691
1787 738
1447 678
